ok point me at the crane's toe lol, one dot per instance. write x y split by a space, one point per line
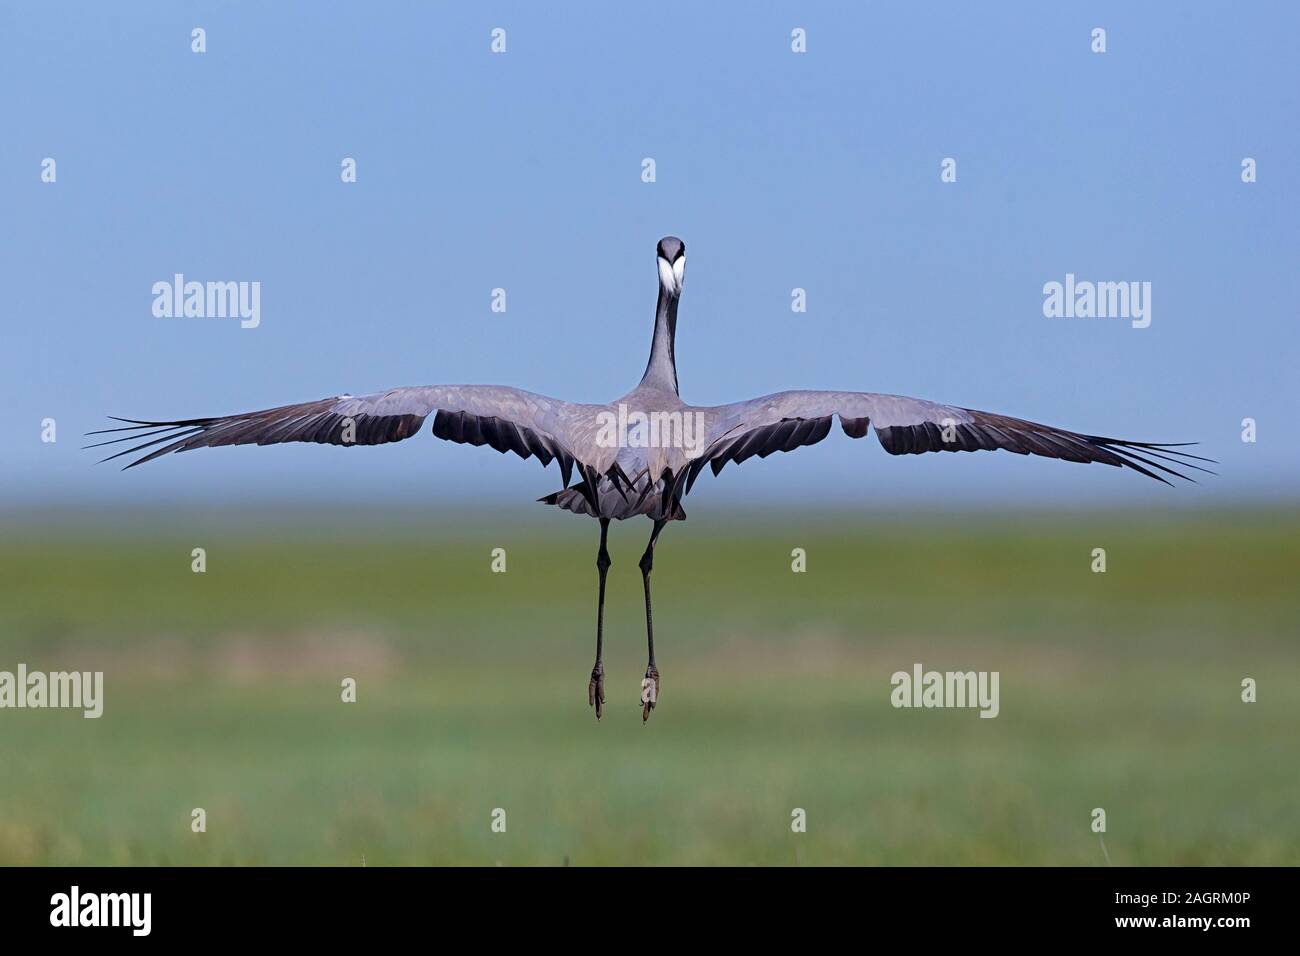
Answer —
596 690
649 692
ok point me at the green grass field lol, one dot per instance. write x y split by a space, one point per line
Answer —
1118 690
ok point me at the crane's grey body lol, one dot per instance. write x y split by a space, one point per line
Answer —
623 472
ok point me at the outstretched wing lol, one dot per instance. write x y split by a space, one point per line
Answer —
508 419
909 426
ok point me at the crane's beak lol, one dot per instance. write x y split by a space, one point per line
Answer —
671 275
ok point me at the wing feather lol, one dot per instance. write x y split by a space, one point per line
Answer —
507 419
909 426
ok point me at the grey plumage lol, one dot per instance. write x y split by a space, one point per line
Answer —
622 479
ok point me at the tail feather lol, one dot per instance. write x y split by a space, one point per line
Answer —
612 504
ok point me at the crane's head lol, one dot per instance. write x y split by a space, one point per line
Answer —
672 265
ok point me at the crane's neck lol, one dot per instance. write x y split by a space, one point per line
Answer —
661 370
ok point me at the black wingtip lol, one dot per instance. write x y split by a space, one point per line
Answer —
1136 454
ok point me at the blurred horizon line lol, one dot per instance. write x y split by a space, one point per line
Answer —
278 511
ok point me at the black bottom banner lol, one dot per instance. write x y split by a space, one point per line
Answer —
337 904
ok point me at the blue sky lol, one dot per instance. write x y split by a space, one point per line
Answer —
523 171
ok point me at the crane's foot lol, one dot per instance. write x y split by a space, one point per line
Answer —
596 689
649 692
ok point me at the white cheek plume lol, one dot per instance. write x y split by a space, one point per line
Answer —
666 279
679 272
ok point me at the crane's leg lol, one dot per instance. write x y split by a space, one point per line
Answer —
649 686
596 689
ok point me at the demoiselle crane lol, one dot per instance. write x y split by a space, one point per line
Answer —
641 454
